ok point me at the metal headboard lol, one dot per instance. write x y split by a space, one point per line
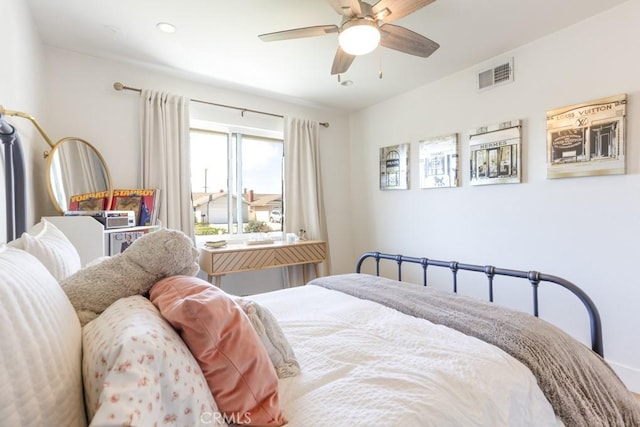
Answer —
490 271
16 213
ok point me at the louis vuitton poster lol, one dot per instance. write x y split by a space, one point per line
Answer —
587 139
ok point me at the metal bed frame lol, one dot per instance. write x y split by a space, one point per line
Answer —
490 271
15 194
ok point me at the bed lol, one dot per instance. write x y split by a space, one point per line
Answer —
364 364
371 351
362 338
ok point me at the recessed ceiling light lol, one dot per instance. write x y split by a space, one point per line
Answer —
166 27
346 82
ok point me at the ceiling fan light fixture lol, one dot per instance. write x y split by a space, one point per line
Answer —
359 37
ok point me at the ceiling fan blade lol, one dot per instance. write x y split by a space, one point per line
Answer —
298 33
341 62
399 38
345 7
387 11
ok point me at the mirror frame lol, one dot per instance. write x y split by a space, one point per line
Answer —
50 155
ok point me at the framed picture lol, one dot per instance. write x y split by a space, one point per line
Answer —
394 167
587 139
439 162
495 153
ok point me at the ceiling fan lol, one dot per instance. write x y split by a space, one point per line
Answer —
363 27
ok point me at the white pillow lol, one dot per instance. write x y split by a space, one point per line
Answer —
47 243
138 371
272 337
40 346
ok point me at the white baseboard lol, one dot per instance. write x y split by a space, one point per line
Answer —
629 376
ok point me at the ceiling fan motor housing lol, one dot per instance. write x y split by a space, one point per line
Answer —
359 36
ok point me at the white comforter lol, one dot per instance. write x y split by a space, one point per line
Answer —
364 364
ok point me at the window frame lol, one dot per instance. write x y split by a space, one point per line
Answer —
234 185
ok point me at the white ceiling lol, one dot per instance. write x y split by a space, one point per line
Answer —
216 41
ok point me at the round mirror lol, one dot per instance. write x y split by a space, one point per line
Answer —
76 170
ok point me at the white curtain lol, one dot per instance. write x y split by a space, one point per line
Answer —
303 199
91 166
64 173
165 156
76 169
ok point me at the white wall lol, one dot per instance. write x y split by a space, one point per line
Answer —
21 86
585 229
83 103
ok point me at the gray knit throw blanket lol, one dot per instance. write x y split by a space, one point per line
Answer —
581 387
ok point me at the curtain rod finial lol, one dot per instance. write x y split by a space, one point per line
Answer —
118 86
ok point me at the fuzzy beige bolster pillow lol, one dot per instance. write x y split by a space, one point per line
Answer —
152 257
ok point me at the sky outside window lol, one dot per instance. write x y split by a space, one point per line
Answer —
261 163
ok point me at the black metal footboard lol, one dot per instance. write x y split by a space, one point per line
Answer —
490 271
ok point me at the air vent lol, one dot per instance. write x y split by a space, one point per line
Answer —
498 75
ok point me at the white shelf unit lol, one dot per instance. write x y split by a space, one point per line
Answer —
89 236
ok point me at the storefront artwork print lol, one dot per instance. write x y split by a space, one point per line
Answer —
439 162
494 153
394 167
587 139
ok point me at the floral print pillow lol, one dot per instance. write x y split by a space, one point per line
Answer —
137 371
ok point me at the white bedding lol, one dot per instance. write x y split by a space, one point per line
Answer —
364 364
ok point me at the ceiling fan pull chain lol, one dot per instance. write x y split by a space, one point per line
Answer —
338 78
379 64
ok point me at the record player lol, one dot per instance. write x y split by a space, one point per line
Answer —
109 219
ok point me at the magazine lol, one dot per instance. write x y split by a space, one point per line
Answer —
89 201
121 240
143 201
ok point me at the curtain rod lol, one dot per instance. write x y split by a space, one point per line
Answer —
119 86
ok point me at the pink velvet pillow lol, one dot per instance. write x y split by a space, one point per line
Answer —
236 365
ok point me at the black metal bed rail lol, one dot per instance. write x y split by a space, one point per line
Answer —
490 271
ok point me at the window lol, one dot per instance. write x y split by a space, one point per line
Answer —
236 180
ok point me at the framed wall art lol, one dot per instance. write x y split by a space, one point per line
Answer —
495 153
394 167
587 139
439 162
